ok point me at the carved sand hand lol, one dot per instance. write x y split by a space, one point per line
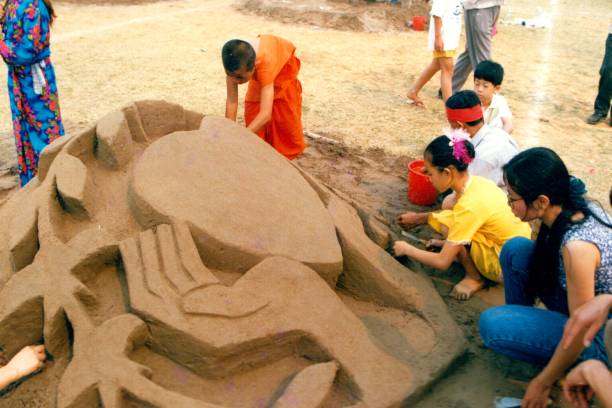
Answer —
166 264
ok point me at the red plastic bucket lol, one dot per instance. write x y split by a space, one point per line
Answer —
420 189
418 23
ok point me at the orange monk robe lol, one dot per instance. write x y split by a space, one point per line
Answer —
276 63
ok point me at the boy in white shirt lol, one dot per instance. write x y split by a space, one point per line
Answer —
494 147
444 33
488 77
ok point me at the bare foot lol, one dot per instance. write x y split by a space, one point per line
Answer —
414 98
466 288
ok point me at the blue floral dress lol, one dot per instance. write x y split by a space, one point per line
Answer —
24 46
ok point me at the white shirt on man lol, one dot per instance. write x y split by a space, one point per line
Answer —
494 148
497 110
450 12
480 4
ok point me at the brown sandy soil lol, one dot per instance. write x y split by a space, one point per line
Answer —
350 15
377 181
354 87
77 269
354 83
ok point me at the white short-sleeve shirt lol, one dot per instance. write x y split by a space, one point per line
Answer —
497 110
480 4
494 148
450 11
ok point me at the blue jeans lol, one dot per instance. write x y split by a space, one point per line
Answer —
520 330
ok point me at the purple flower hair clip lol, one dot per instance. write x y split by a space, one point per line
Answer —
458 137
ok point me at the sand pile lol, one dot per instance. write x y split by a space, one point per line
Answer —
349 15
171 260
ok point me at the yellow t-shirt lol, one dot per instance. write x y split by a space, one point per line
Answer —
481 217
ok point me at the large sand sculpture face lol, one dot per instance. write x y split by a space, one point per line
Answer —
168 260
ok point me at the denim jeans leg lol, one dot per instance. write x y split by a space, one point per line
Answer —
514 259
597 350
522 332
530 334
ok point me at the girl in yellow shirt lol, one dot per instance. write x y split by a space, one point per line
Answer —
477 225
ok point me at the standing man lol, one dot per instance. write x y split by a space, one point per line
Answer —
602 102
480 17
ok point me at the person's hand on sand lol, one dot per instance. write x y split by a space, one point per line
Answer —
26 361
536 395
576 385
401 248
411 219
590 317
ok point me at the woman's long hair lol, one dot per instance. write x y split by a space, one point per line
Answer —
540 171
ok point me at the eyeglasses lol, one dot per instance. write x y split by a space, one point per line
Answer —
511 200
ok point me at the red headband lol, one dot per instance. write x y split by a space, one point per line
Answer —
464 115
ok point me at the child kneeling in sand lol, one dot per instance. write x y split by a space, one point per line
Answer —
475 228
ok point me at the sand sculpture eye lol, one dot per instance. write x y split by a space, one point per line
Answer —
171 260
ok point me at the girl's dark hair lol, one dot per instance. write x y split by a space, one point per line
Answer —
51 10
540 171
441 154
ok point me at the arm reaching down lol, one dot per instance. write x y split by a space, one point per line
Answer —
508 124
231 101
588 378
27 361
590 317
265 109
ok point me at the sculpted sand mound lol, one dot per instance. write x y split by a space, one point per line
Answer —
242 201
170 261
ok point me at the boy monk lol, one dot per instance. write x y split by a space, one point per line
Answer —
273 102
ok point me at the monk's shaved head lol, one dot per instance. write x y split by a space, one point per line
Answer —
237 54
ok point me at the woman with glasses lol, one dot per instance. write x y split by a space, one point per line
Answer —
568 265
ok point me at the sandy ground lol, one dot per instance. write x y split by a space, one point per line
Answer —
354 83
354 86
371 178
351 15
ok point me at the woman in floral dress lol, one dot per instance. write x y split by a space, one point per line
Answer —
24 46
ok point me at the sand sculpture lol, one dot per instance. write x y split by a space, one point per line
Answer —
172 260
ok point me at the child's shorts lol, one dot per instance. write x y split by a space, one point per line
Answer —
444 54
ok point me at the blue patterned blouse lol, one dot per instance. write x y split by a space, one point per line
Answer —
600 235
